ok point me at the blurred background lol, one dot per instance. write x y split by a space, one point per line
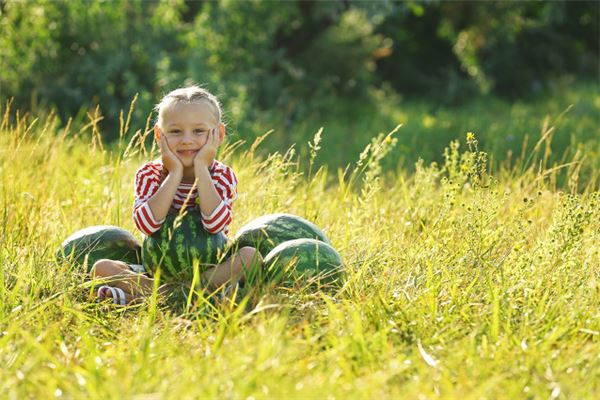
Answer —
355 68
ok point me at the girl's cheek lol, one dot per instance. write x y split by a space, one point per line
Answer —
173 143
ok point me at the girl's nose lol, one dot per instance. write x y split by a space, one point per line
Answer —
188 136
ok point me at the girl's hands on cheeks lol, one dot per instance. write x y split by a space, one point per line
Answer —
207 153
169 159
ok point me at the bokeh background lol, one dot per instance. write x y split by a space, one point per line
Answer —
355 68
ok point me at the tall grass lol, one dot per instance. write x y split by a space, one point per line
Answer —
461 282
505 129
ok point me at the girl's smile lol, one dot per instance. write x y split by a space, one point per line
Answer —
187 153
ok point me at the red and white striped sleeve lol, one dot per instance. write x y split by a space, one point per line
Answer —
225 183
147 182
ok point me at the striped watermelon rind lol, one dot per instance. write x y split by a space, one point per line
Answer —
94 243
179 244
266 232
304 261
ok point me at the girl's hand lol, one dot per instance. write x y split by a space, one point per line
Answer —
169 159
206 155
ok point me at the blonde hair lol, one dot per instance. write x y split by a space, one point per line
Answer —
187 95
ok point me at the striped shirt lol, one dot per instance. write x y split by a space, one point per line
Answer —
148 180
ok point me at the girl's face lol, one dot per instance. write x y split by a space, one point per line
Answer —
186 127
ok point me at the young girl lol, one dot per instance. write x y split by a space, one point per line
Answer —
188 131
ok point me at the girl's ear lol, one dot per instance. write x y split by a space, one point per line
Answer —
221 132
157 132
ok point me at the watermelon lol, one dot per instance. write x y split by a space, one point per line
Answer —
266 232
304 260
98 242
179 243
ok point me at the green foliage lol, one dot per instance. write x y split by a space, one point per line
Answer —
288 58
522 47
263 57
450 50
75 55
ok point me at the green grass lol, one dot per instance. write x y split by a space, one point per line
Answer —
505 129
460 283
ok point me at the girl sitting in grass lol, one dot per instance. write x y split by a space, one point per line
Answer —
188 131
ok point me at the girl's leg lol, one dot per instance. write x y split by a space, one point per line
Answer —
233 269
133 284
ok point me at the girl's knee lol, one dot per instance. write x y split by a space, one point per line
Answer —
105 267
250 255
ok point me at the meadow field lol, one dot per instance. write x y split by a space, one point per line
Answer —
463 281
505 129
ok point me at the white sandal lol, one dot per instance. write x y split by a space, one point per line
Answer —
117 294
228 291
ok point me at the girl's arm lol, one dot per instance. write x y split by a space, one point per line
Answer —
153 198
210 198
215 209
147 182
161 202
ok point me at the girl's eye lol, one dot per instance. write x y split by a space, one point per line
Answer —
175 132
199 131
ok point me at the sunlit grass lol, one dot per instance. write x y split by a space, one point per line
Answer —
505 129
461 282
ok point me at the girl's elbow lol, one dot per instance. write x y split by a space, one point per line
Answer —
219 225
214 230
144 229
